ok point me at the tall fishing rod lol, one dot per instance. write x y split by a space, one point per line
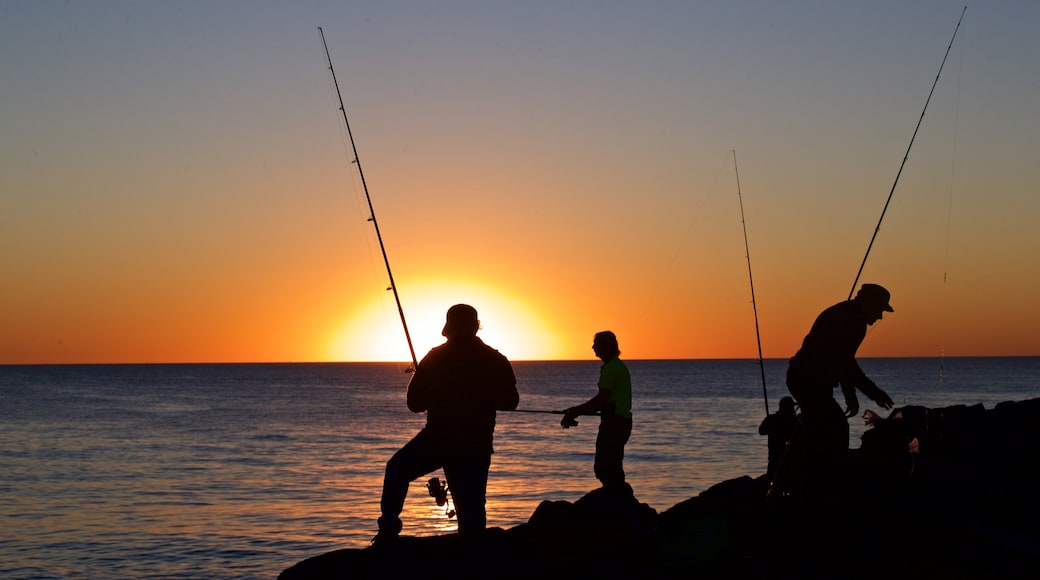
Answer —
751 280
372 211
907 155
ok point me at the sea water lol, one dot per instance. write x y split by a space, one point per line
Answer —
241 470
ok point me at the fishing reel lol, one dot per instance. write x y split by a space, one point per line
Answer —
439 492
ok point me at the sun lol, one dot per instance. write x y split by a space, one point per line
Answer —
374 332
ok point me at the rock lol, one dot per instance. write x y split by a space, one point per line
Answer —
603 530
929 493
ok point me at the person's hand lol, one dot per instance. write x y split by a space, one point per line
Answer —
884 400
871 418
851 406
914 446
568 418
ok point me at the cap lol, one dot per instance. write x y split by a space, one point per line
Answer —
461 320
876 295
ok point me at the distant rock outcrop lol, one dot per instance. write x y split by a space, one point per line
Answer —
930 493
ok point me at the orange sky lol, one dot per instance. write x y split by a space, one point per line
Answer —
177 184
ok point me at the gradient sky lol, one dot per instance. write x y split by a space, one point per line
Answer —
176 185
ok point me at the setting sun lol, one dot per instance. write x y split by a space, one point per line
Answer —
373 332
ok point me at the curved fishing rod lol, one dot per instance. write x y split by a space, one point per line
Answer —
751 280
372 211
907 155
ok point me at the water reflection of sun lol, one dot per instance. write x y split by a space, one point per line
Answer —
374 332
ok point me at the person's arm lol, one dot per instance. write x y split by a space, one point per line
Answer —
876 394
418 394
852 378
851 401
419 387
855 379
508 397
594 405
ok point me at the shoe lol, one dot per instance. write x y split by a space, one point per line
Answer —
383 539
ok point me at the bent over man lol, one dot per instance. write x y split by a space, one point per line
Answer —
827 360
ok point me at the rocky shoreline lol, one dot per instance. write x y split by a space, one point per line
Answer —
930 493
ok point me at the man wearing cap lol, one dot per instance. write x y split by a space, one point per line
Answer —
459 385
826 360
613 402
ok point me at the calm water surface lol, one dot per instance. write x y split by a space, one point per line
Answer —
239 471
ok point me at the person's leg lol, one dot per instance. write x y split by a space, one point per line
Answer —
837 432
809 445
417 458
467 481
613 434
826 441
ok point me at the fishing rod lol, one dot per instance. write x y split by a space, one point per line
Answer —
751 280
371 210
907 155
593 414
565 423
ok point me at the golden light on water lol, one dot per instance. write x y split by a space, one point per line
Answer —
373 332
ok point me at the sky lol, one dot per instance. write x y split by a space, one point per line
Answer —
177 183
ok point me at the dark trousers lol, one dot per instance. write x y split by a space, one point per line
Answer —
820 447
610 449
825 429
466 476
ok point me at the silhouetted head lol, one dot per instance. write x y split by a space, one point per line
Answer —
787 405
875 295
461 321
605 345
874 300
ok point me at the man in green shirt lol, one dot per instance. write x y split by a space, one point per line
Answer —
614 404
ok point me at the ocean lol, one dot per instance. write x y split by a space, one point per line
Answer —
238 471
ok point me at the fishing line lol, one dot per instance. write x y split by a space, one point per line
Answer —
356 189
697 212
949 214
907 155
372 212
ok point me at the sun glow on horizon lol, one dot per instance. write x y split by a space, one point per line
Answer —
373 332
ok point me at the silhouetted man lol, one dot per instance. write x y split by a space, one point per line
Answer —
827 360
460 385
614 404
779 427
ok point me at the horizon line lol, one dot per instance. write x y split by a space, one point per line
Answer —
409 363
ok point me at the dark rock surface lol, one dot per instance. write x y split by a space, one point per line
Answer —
930 493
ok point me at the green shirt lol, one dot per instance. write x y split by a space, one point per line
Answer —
614 378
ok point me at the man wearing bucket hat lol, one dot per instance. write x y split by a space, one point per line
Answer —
459 385
827 360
